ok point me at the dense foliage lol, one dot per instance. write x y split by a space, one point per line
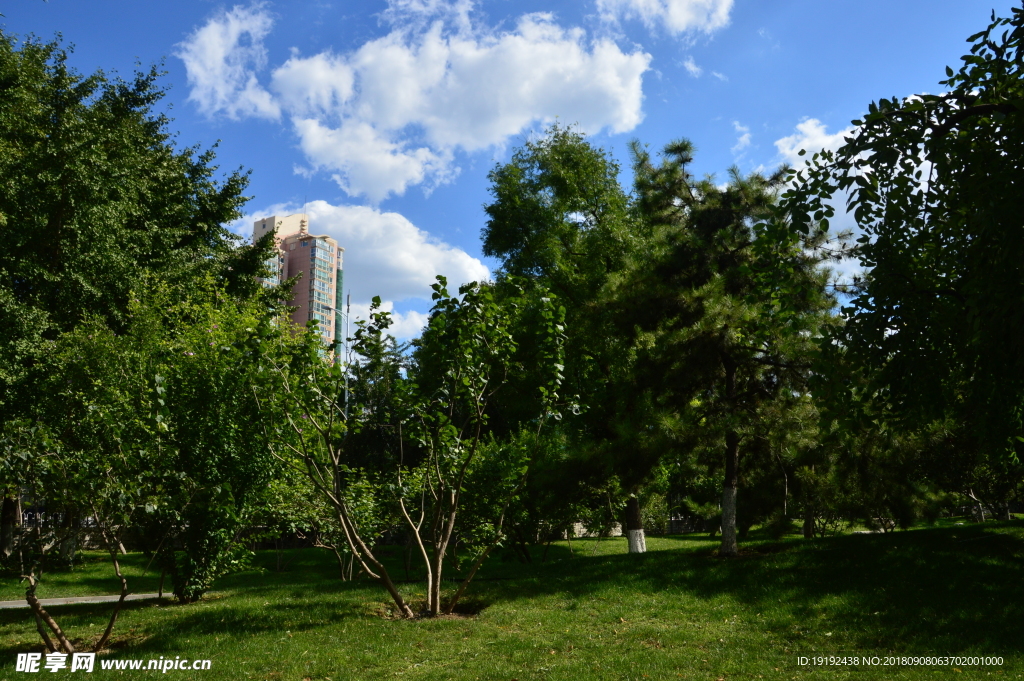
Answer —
929 343
674 351
134 329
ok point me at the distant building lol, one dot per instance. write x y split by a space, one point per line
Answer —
318 259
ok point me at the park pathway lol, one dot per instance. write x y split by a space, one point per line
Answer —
47 602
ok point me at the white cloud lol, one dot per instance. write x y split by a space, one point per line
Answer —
367 162
392 113
692 67
385 255
405 13
314 86
810 136
743 141
404 325
720 76
222 58
675 16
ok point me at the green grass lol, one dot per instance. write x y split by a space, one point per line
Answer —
92 576
676 612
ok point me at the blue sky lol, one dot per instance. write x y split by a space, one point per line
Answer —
384 118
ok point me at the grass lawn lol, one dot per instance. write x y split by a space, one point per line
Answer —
676 612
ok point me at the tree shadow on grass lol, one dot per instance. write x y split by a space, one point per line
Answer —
938 590
165 626
75 620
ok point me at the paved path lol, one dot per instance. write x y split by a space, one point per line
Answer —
46 602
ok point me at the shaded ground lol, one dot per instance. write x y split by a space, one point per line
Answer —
49 602
676 612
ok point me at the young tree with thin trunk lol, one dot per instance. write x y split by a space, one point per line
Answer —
441 465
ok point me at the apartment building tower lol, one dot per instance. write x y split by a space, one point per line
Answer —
318 259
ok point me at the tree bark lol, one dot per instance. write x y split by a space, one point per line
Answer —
635 526
338 556
68 544
521 546
37 610
434 585
732 466
809 529
10 518
732 448
808 522
120 601
362 552
465 582
441 541
50 648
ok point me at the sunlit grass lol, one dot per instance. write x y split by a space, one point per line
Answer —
676 612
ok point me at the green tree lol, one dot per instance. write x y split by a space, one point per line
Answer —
560 220
212 357
440 474
153 428
94 197
722 313
95 193
932 330
95 453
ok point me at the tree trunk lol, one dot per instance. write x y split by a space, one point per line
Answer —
10 518
112 548
732 450
340 558
41 614
50 648
785 487
522 546
732 467
442 533
465 582
635 526
434 585
362 553
808 522
67 547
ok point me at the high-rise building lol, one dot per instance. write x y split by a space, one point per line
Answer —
318 259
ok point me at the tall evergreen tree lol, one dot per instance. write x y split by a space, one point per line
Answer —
722 315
